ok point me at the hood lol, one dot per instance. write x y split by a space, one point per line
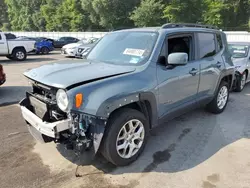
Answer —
66 74
72 45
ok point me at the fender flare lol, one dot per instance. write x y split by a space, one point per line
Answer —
146 100
223 75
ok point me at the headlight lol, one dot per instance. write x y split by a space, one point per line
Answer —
62 100
72 48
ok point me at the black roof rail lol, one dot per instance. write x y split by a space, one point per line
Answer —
174 25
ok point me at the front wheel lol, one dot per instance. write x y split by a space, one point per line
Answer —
125 137
241 82
220 100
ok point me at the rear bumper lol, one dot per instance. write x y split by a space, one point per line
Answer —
44 128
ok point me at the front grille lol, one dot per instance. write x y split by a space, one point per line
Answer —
80 50
43 103
45 93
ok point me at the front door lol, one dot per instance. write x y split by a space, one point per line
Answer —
178 86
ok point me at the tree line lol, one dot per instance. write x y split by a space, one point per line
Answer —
105 15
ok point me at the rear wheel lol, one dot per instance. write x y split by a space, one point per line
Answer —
19 54
241 82
125 137
220 100
44 50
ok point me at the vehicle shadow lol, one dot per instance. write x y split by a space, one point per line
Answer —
12 94
182 143
30 59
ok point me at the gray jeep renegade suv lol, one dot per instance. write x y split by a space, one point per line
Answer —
130 82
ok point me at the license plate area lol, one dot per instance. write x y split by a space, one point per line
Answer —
38 107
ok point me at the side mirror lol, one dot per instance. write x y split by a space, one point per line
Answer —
178 58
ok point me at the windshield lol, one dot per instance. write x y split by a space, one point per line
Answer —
238 51
124 47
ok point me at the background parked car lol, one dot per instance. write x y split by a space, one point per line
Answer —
70 50
42 45
2 75
83 50
47 39
15 48
63 41
241 59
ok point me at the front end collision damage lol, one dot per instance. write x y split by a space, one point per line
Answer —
78 132
88 123
86 131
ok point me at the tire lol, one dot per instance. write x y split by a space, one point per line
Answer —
44 50
213 106
115 126
241 82
10 57
19 54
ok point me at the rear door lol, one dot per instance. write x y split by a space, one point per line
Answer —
211 63
3 45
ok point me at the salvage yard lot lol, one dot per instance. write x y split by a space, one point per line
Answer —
197 149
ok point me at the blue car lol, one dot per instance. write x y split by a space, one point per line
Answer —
42 46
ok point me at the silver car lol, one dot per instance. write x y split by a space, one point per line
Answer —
83 50
241 59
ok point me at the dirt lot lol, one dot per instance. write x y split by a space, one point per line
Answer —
195 150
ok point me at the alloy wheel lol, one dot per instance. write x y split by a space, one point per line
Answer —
130 138
222 97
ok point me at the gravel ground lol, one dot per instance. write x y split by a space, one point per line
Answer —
197 149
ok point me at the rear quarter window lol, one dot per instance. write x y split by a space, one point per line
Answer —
206 45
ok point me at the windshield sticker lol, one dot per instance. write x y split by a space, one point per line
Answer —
239 51
134 60
134 52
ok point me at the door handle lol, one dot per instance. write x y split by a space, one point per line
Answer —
218 64
193 72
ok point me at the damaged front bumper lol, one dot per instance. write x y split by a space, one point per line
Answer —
78 131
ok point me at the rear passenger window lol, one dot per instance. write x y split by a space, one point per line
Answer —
219 42
206 45
0 37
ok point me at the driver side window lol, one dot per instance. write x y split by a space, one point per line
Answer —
180 44
177 44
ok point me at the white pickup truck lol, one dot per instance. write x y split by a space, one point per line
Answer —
15 48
